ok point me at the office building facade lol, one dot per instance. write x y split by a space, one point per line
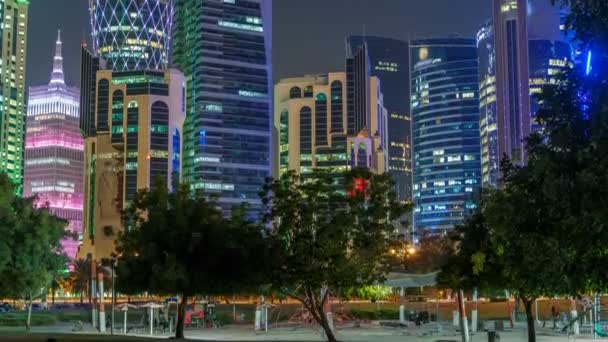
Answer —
132 34
139 119
389 61
89 65
14 15
54 151
520 51
445 126
311 122
512 74
223 48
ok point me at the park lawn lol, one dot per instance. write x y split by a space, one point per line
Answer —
42 318
33 337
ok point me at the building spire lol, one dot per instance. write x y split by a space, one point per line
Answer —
57 75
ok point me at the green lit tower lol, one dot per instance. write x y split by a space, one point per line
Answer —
223 49
12 87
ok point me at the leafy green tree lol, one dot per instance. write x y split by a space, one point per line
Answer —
329 239
182 243
31 252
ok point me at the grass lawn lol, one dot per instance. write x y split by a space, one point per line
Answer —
68 338
282 312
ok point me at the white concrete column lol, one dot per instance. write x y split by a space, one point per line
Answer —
102 314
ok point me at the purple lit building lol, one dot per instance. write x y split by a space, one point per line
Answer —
54 150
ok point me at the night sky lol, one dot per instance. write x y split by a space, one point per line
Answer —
308 35
45 17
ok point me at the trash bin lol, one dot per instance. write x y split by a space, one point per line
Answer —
491 336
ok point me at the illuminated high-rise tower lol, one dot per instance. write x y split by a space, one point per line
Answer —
13 30
520 51
445 127
54 147
223 49
132 34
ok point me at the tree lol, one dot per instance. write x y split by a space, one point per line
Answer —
80 277
429 254
30 248
329 239
181 243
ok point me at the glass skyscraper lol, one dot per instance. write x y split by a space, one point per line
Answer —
132 34
445 122
223 48
13 48
389 61
54 150
525 44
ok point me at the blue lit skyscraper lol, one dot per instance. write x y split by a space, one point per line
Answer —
223 49
389 61
520 51
445 122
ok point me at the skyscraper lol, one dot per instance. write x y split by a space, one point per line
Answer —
512 74
311 119
139 117
132 34
89 65
520 51
54 150
133 113
389 61
13 49
490 157
445 122
223 49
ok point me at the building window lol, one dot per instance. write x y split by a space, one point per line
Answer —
305 131
159 141
103 97
337 123
308 91
295 93
321 119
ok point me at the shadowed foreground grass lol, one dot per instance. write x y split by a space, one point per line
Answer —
18 337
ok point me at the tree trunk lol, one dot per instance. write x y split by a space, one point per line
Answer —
326 328
81 297
53 293
181 317
529 319
28 321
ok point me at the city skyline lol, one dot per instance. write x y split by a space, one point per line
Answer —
407 20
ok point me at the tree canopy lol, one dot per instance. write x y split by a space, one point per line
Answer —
543 231
330 237
30 250
181 243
